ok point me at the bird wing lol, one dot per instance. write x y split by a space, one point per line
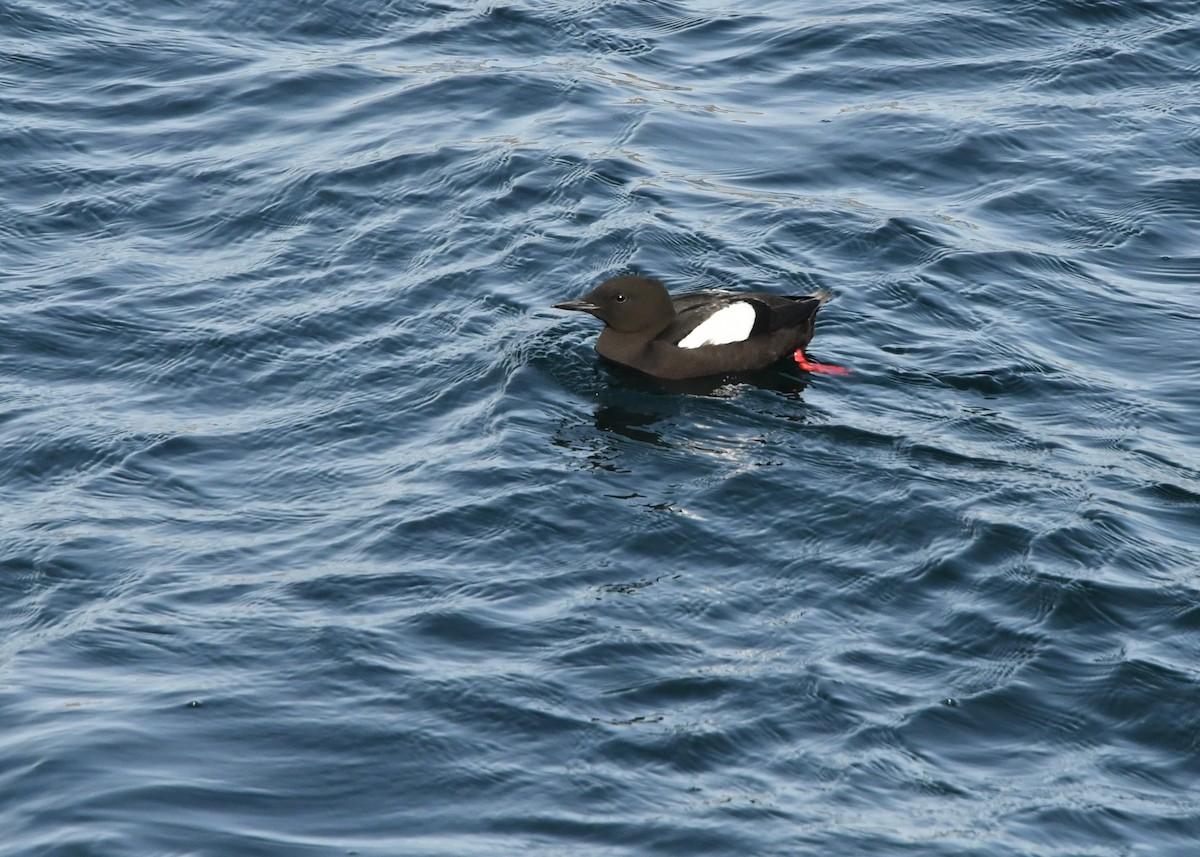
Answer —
772 312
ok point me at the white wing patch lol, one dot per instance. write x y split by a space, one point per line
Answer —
729 324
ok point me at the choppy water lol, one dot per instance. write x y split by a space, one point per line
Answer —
323 534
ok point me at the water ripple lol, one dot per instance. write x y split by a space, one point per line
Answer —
325 533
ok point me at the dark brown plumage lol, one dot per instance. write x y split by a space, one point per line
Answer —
696 334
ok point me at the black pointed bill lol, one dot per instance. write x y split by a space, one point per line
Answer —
581 306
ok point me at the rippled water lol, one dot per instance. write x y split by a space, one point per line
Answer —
323 534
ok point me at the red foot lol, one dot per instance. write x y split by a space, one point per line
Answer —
823 368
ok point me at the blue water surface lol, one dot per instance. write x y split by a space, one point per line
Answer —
324 535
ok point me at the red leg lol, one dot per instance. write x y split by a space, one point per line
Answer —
823 368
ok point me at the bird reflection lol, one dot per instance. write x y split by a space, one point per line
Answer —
631 403
629 423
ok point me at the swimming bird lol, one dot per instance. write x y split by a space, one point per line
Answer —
695 334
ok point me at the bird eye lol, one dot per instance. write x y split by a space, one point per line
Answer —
619 298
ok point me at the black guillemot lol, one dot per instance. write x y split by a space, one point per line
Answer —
697 334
